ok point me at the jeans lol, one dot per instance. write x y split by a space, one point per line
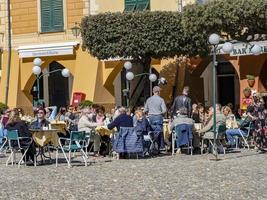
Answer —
231 133
156 123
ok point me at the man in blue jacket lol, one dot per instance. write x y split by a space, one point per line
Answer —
123 120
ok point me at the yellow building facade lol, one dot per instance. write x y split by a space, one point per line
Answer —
42 28
29 40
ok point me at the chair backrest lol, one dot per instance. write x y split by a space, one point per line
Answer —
12 135
77 135
184 128
221 128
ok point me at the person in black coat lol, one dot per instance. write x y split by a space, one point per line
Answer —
123 120
182 101
15 123
40 122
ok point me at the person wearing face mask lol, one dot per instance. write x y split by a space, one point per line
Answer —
87 124
41 121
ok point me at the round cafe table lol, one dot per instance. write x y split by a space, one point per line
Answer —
104 131
44 137
60 125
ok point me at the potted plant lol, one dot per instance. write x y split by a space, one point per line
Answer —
251 80
247 92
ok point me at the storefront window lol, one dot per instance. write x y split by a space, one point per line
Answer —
52 19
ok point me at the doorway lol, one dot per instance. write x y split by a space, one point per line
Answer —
228 86
58 86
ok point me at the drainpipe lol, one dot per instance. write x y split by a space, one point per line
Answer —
9 51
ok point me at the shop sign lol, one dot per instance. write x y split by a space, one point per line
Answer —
244 49
47 50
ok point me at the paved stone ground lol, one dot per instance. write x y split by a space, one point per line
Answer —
237 176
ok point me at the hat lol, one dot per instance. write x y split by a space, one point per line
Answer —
156 89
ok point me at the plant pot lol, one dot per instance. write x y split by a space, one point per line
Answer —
251 83
247 93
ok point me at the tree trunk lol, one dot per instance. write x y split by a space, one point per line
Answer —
146 66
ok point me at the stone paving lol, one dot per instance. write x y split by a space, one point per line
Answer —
236 176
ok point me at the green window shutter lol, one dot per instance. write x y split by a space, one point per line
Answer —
131 5
142 5
57 15
52 19
46 16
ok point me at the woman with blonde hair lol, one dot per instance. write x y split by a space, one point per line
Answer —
15 123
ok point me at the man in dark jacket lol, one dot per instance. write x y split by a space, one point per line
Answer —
123 120
182 101
40 122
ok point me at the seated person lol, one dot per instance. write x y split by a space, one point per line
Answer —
15 123
87 124
141 123
41 121
207 130
231 133
182 118
123 120
51 113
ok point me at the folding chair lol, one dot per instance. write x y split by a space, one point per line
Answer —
244 137
220 135
129 141
182 134
3 140
14 143
76 143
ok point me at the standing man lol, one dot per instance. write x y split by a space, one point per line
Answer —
156 108
182 101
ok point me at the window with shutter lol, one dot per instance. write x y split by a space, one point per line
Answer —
132 5
52 19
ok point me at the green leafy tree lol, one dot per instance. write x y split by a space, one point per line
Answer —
145 35
160 34
243 20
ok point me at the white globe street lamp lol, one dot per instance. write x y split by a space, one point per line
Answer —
37 62
65 73
214 39
152 77
256 49
227 47
128 65
130 76
36 70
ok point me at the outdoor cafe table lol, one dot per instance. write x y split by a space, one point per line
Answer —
44 137
104 131
61 125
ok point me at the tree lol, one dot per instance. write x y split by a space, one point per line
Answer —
243 20
142 35
137 35
145 35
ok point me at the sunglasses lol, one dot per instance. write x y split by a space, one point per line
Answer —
40 112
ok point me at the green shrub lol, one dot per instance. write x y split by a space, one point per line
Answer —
3 107
85 103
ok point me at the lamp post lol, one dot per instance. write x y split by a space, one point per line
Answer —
36 70
130 76
214 40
